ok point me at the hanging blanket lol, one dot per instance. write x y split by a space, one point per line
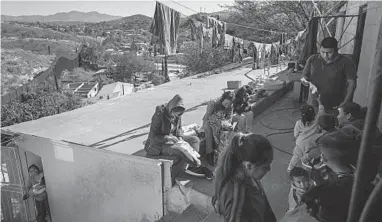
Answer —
165 25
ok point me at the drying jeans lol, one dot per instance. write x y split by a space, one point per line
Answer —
169 150
42 207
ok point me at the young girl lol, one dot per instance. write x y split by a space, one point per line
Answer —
304 129
239 195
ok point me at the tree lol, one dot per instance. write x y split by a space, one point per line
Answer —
36 105
281 16
127 65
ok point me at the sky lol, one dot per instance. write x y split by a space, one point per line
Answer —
118 8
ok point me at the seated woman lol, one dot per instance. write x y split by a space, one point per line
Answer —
224 104
166 135
242 109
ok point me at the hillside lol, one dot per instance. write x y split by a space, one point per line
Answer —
20 31
72 16
59 48
18 66
130 22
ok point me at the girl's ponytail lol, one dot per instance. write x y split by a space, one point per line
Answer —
228 163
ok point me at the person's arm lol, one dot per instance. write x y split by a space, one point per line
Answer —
306 72
29 190
210 110
297 129
156 122
351 76
229 114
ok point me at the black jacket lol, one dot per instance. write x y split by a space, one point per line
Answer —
160 128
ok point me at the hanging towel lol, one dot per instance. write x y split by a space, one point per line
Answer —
165 25
217 29
223 34
228 43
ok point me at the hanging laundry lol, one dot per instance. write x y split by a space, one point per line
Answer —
310 46
165 25
223 34
217 28
247 44
228 43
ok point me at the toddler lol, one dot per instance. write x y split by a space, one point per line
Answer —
300 183
304 129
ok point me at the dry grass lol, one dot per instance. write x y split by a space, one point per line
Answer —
18 66
65 48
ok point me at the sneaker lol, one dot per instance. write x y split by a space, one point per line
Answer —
208 173
195 171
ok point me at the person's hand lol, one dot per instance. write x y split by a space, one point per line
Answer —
339 106
26 196
304 81
173 139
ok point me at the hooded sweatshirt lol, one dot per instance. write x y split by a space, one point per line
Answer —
162 124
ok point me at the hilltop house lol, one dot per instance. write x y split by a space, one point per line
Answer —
87 90
115 90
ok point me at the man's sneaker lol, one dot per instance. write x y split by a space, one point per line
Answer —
195 171
208 173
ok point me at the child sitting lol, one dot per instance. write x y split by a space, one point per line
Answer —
220 124
326 124
304 129
300 183
330 200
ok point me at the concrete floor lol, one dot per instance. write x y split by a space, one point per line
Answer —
276 182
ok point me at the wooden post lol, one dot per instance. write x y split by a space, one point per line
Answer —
167 78
364 172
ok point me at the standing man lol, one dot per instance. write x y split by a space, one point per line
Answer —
333 74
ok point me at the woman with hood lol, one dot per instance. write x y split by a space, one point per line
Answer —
166 133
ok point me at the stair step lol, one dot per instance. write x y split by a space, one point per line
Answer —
191 214
170 216
213 217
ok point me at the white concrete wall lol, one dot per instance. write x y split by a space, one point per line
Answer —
85 184
352 8
368 51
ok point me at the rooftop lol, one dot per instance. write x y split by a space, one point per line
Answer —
122 124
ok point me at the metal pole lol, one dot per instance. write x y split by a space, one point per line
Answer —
364 171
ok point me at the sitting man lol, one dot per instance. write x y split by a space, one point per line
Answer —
330 200
166 133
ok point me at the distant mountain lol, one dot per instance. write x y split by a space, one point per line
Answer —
137 21
72 16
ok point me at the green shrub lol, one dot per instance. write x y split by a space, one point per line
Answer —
157 79
209 59
36 105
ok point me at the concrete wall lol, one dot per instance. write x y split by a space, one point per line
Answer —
369 47
92 185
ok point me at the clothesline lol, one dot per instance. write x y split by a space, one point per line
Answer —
228 23
265 30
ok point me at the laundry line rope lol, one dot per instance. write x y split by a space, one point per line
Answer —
265 30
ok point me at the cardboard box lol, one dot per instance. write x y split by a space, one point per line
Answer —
233 84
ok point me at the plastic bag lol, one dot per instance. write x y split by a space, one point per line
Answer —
188 151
